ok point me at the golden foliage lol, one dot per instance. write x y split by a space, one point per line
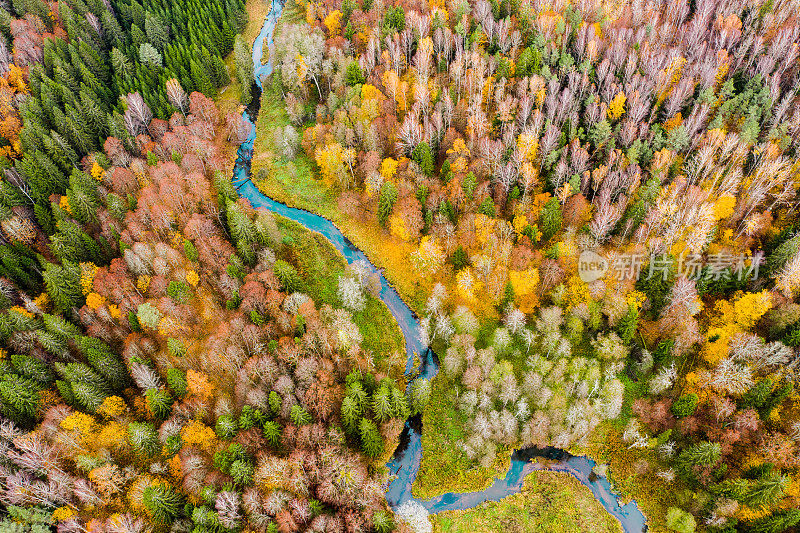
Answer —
95 301
616 108
723 208
111 435
111 407
370 92
22 311
142 282
80 422
88 271
333 22
198 434
524 283
429 257
335 163
750 307
192 278
63 203
398 227
97 171
10 122
673 122
388 169
199 384
63 513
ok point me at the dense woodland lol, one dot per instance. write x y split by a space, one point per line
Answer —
174 360
170 359
502 138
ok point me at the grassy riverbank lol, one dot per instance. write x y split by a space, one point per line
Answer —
321 265
632 475
446 468
444 464
549 502
294 183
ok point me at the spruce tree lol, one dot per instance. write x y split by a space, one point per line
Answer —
550 220
144 438
19 398
63 284
163 503
159 402
371 441
386 201
272 433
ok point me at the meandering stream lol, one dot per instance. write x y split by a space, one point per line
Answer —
408 456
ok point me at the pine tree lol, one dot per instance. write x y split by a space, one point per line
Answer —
351 413
60 327
382 521
63 284
420 394
550 220
371 441
626 327
701 454
778 522
109 366
272 433
400 408
149 55
685 405
241 227
226 427
244 68
19 398
783 253
201 79
382 404
32 368
144 438
299 415
275 402
176 379
157 32
242 472
88 395
386 201
159 402
287 275
423 156
766 491
163 503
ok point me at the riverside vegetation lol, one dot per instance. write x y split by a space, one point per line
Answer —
174 360
491 143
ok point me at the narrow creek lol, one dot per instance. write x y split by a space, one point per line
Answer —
407 458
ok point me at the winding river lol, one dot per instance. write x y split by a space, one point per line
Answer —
406 460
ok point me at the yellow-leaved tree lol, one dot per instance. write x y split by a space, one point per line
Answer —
336 165
333 22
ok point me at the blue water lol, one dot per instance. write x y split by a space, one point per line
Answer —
407 458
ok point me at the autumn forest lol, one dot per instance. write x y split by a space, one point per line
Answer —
588 208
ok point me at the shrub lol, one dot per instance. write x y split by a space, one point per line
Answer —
685 405
681 521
